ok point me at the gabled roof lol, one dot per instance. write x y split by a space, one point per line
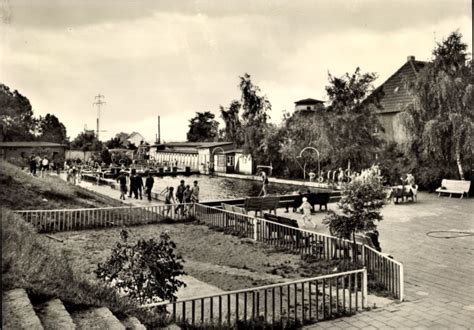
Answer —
17 144
308 102
395 96
213 144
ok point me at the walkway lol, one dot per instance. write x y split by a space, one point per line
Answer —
439 282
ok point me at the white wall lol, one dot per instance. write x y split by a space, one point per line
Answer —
243 164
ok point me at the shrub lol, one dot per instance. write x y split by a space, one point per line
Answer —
146 271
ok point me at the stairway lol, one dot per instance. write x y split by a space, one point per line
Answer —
19 312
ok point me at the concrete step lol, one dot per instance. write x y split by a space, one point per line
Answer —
96 318
18 312
132 323
53 315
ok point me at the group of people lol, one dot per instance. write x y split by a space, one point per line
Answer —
136 185
185 196
43 164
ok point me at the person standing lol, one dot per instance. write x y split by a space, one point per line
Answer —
44 166
131 182
263 192
195 193
169 200
33 165
187 198
179 196
122 180
139 185
149 185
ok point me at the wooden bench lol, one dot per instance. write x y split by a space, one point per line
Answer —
260 204
454 187
281 232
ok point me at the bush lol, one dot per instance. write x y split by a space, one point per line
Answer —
146 271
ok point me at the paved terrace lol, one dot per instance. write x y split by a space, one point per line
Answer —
439 289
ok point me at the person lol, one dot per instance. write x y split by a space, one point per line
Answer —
179 195
211 168
139 185
122 180
340 176
33 165
169 200
149 185
132 182
263 192
374 237
44 166
195 193
306 208
187 198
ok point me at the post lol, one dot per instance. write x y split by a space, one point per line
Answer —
364 288
402 283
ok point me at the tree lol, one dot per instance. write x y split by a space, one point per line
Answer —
114 143
350 119
50 129
233 126
146 271
86 142
359 206
203 127
254 119
438 122
17 122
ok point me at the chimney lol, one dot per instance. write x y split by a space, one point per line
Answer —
410 58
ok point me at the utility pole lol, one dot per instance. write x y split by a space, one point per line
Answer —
99 102
159 133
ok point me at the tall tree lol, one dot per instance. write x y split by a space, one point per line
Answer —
439 120
203 127
17 122
350 119
233 126
86 142
50 129
254 118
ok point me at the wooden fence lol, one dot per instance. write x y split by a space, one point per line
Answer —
78 219
382 268
303 301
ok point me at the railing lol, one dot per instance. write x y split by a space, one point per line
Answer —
77 219
303 301
382 268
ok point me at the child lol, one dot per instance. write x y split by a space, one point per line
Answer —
187 198
122 180
306 207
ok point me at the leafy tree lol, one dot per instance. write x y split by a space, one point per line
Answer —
17 122
438 122
86 142
114 143
50 129
233 126
146 271
105 156
254 119
359 207
350 122
203 127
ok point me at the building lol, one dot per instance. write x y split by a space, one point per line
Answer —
134 138
23 150
309 105
238 162
196 155
394 98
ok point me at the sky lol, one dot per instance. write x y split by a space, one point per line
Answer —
172 58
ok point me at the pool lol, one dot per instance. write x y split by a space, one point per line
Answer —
218 188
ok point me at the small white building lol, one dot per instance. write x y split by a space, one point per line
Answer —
238 162
309 105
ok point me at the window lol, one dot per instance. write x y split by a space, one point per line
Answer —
308 108
220 160
230 160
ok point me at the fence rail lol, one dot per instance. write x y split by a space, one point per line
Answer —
303 301
85 218
380 267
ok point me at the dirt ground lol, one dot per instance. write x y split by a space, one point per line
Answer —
224 261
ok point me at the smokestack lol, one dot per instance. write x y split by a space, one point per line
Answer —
410 58
159 134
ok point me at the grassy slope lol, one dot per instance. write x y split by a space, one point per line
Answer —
42 269
19 190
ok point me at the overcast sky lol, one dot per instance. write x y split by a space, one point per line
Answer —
173 58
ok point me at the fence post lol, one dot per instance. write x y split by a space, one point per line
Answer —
364 288
363 255
402 283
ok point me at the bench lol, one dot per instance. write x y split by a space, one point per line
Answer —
321 199
234 220
454 187
282 232
260 204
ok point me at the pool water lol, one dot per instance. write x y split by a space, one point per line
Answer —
217 188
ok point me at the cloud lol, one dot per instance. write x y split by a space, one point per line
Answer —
173 58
